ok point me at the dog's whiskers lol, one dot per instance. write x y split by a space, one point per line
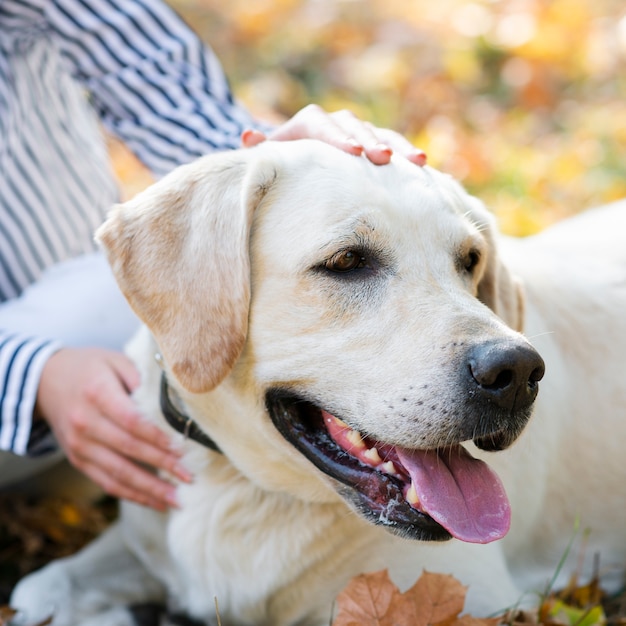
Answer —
547 332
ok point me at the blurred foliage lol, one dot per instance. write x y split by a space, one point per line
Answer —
36 530
522 100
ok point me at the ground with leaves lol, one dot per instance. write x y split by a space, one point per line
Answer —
438 600
434 600
34 531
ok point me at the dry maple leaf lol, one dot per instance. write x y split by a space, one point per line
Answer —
434 600
366 600
438 599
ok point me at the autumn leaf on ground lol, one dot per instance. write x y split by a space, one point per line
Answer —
6 614
438 599
576 605
434 600
366 600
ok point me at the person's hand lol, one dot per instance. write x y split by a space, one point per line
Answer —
343 130
84 396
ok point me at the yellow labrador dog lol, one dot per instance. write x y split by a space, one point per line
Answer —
340 345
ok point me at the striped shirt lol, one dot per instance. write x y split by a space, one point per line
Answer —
67 66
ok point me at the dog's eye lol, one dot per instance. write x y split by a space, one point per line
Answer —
470 261
345 261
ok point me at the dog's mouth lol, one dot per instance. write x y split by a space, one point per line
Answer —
431 495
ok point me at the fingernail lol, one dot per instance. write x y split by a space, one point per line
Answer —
171 499
354 144
419 157
176 447
251 137
183 473
383 147
157 506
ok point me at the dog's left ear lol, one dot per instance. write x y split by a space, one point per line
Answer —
179 252
502 292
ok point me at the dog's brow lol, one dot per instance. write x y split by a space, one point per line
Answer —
361 232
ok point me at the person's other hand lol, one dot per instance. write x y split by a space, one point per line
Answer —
84 396
343 130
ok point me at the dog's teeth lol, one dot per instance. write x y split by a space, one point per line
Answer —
411 496
340 422
355 440
389 468
371 454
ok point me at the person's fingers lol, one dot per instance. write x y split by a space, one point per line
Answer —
84 396
125 369
131 444
112 400
366 135
124 479
343 130
122 411
251 138
313 122
120 427
115 422
98 447
401 145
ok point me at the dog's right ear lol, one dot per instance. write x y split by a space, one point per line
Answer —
498 288
179 252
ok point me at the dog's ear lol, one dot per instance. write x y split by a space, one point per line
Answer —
179 252
502 292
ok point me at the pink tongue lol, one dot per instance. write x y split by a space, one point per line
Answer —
459 492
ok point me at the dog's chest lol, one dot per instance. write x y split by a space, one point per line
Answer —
265 558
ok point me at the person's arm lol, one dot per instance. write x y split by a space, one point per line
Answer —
22 359
151 80
159 88
79 394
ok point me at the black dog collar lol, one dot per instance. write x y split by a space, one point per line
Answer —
183 423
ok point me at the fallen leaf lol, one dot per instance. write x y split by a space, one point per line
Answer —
558 612
468 620
434 600
6 614
437 598
366 600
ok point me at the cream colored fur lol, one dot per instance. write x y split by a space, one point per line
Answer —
219 260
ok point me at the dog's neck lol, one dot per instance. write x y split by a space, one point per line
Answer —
180 422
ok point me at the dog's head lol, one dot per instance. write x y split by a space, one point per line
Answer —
366 305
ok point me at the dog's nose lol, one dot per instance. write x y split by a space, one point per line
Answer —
506 373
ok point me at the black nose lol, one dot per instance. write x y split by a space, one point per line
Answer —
506 373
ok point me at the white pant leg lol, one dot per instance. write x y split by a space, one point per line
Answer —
78 303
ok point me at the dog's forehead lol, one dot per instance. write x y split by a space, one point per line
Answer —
333 191
312 163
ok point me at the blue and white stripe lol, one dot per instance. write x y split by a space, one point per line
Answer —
67 66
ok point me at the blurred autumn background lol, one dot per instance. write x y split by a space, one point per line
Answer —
522 100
